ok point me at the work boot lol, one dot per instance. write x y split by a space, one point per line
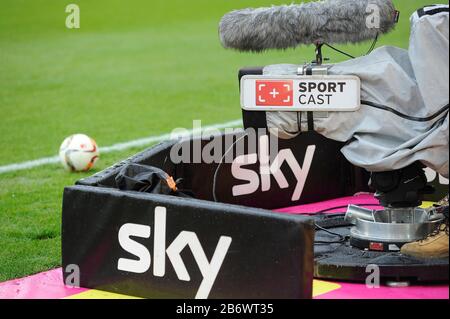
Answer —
436 244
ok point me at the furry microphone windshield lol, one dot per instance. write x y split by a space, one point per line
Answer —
332 21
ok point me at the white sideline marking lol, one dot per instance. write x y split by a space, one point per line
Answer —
119 147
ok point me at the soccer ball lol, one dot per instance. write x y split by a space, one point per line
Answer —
78 153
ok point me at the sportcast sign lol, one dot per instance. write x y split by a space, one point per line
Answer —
300 93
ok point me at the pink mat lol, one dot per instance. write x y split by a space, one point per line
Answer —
46 285
340 203
360 291
49 285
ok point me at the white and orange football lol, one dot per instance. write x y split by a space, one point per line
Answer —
79 153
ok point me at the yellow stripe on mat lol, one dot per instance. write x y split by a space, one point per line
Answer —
323 287
319 288
98 294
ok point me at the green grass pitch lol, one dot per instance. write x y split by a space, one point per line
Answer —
134 69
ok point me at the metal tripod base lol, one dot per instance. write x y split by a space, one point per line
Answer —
390 229
344 261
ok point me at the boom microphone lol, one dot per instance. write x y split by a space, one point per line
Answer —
332 21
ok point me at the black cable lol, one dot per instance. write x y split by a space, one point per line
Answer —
341 240
405 116
338 207
345 206
374 43
319 242
340 51
371 48
214 185
328 231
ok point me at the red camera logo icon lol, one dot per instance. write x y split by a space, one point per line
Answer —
275 93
